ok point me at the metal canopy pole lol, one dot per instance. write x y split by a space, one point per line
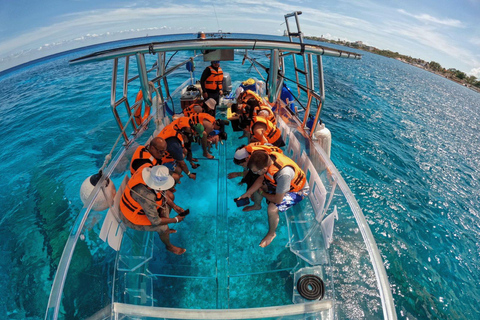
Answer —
272 79
142 72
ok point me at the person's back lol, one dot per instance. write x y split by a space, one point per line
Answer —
265 131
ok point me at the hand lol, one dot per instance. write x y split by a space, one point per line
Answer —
180 219
178 209
192 176
221 92
205 95
245 195
232 175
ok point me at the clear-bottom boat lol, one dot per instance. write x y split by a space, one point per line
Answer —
323 263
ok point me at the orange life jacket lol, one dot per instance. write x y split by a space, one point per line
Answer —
272 133
199 117
281 161
271 115
130 208
215 80
173 130
140 154
249 94
258 146
188 111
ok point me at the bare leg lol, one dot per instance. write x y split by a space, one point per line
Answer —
206 154
257 205
272 225
165 237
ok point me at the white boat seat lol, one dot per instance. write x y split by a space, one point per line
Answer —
113 228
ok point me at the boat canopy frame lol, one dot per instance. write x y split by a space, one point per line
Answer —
277 50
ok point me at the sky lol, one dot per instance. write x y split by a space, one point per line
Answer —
445 31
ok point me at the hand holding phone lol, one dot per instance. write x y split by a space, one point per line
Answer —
184 213
241 202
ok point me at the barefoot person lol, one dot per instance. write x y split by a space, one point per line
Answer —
241 157
281 182
143 206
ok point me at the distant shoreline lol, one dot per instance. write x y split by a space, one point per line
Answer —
432 67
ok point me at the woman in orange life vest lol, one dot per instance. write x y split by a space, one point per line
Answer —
241 157
143 206
262 130
175 134
212 82
281 182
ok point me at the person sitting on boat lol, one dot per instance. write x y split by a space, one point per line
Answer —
241 157
143 206
281 182
253 107
207 106
262 130
151 154
246 95
178 135
214 138
210 124
211 82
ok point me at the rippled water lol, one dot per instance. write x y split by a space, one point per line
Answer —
405 140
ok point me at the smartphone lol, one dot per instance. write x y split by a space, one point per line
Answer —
184 213
241 202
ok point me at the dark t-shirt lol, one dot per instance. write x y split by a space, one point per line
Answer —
174 147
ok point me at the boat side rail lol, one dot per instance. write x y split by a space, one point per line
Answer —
56 292
320 159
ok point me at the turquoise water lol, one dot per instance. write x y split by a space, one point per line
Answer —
405 141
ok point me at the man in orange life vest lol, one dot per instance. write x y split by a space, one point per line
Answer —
281 182
143 205
212 82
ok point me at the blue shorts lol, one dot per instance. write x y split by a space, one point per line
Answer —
292 198
170 165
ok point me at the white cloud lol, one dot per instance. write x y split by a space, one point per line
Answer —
475 72
428 18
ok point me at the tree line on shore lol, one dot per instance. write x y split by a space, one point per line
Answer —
433 66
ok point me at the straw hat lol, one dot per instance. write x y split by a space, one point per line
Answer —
158 178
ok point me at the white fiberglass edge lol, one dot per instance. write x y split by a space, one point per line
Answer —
247 313
377 262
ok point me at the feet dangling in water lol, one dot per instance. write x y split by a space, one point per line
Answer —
170 231
252 208
176 250
267 240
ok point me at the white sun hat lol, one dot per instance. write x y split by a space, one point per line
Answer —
211 103
158 178
241 154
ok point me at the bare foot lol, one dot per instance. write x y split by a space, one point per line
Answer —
194 165
252 208
176 250
267 240
170 231
208 156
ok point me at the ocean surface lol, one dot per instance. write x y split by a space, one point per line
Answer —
405 140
